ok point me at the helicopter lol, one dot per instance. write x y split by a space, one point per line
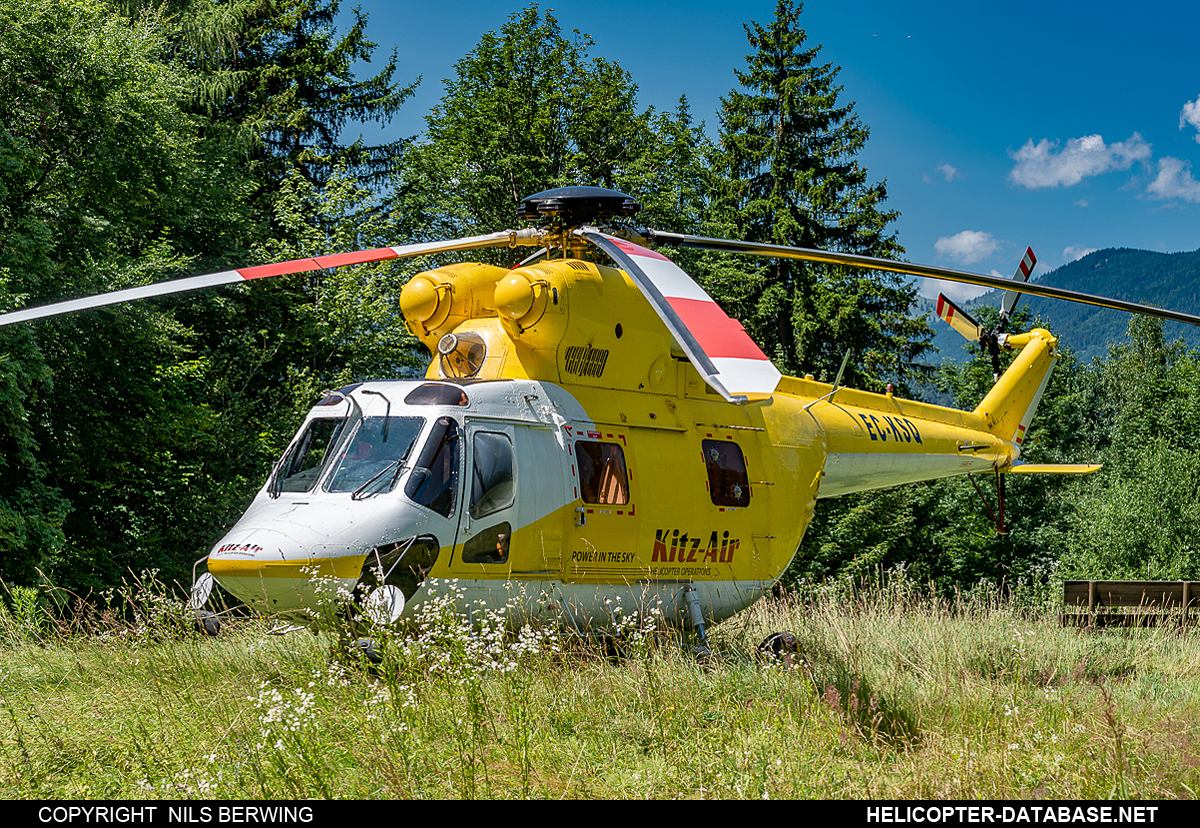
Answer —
592 432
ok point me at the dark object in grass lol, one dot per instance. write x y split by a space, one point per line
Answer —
779 643
207 622
369 648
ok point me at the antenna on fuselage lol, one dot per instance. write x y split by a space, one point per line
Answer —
837 383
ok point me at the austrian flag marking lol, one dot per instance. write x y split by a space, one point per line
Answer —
741 365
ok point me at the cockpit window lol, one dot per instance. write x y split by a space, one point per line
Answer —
437 394
374 453
434 480
303 464
491 474
339 396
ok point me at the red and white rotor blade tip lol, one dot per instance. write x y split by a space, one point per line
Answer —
717 345
229 277
959 319
1024 269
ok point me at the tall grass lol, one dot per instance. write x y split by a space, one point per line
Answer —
890 694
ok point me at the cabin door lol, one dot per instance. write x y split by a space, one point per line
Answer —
486 543
602 523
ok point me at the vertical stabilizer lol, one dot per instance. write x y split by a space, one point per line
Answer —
1010 405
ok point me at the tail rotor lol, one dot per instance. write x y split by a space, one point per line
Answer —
965 324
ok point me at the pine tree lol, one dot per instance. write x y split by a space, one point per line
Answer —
303 90
788 156
276 76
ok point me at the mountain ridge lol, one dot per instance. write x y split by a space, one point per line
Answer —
1168 280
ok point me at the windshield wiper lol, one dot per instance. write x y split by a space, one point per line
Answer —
387 415
398 466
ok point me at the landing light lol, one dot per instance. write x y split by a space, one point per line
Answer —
461 354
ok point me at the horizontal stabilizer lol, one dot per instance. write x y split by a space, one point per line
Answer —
959 319
1053 468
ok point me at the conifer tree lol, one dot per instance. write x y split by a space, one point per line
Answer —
278 77
302 90
788 157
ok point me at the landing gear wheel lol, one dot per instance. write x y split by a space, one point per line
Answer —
207 622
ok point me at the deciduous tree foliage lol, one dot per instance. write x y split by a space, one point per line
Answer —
529 109
138 432
1138 517
105 183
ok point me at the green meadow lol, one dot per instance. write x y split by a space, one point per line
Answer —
892 694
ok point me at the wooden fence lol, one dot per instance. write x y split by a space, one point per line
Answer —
1128 603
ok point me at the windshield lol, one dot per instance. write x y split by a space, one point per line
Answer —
434 481
302 466
376 445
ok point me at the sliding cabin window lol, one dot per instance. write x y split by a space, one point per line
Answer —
491 474
489 546
728 483
602 475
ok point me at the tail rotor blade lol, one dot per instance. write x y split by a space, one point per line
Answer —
959 319
228 277
1022 275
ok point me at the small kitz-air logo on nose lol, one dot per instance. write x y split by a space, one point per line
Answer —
239 548
670 546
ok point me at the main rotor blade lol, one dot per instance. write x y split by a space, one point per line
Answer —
718 347
228 277
909 269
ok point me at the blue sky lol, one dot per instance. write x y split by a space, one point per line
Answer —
1068 127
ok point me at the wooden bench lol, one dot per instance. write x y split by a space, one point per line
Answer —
1128 603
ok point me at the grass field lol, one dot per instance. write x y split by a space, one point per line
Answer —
893 695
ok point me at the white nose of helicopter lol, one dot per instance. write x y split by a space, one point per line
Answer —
280 572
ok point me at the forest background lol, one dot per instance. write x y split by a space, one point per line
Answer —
144 141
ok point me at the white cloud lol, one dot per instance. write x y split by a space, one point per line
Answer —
949 172
966 247
1075 252
1191 115
1175 181
1044 165
1083 202
955 291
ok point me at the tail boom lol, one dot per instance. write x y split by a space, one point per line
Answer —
876 441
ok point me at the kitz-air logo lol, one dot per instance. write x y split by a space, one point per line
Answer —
586 361
670 546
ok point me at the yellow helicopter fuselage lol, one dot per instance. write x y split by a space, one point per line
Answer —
593 466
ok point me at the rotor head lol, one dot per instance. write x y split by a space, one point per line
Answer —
577 206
